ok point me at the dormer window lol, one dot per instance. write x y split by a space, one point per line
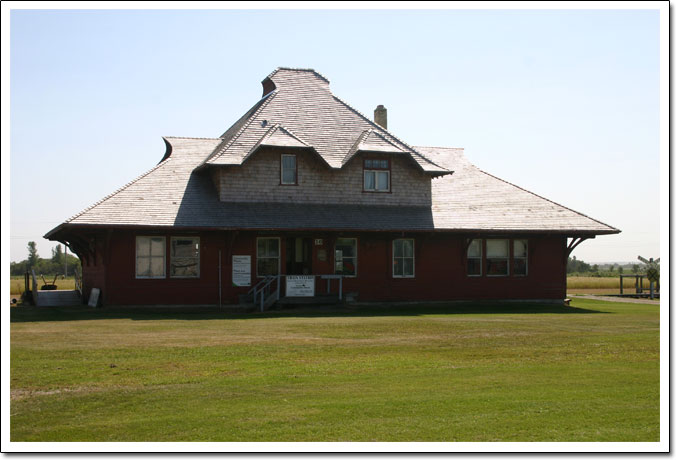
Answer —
376 175
289 170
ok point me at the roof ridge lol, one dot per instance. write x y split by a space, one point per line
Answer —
380 128
110 195
297 69
438 147
191 137
268 97
542 197
292 134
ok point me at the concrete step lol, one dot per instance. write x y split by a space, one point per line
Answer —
58 298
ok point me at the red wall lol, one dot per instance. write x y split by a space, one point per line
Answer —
439 269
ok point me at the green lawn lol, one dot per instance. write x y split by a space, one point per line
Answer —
588 373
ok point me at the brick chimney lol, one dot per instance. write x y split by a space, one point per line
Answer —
380 116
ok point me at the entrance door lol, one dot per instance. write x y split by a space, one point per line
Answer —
298 256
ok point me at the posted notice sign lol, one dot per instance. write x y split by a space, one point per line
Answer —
300 286
241 271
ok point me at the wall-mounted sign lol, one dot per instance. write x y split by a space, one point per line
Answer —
321 255
241 271
300 286
319 242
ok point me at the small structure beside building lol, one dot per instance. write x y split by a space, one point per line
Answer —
305 196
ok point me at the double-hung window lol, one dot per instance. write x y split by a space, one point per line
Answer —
185 257
403 258
376 175
474 256
289 170
267 256
150 256
520 257
497 257
346 256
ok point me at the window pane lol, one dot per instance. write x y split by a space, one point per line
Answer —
143 266
520 266
268 266
157 246
397 268
520 248
369 180
497 266
142 246
383 181
383 164
474 249
272 247
398 248
368 163
347 246
184 247
408 266
408 248
474 266
157 266
497 248
346 256
288 169
348 266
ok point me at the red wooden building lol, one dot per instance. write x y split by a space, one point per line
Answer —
303 184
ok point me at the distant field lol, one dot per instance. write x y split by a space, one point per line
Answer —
594 285
589 372
16 285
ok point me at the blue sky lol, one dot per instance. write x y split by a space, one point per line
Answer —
564 103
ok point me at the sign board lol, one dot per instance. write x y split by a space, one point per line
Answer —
94 297
319 242
300 286
241 271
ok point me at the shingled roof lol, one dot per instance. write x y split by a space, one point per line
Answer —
176 193
300 101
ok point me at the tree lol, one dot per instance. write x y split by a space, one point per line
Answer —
611 268
634 268
620 270
57 254
595 268
33 258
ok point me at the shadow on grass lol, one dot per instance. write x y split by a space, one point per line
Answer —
144 313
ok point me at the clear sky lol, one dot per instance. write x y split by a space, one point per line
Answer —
564 103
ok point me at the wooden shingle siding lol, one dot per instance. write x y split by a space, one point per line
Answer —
258 180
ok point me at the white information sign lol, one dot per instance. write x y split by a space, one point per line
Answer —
94 297
241 271
300 286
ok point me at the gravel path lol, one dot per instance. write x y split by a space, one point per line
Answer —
615 299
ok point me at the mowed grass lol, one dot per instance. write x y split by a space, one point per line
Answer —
539 373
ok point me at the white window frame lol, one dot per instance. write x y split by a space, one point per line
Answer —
509 247
375 172
402 258
279 254
164 257
295 169
525 258
171 258
356 257
480 258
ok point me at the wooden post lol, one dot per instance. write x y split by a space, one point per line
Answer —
220 303
621 284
